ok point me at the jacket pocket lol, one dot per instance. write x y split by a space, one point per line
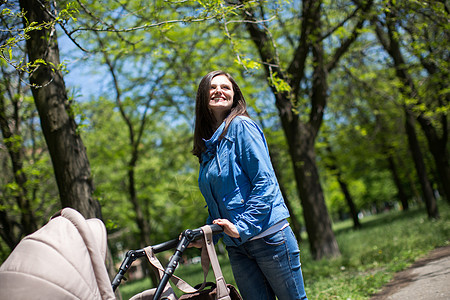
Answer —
234 200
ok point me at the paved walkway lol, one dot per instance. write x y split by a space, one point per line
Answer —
426 279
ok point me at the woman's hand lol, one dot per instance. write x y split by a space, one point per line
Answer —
228 227
193 244
196 244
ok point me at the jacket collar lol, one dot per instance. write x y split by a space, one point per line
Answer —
212 144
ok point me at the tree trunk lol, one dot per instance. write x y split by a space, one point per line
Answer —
27 219
398 183
438 148
296 225
427 191
68 154
344 188
7 230
350 202
143 225
318 223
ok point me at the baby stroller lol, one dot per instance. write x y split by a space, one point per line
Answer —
65 260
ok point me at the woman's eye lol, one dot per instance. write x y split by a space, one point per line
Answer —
222 87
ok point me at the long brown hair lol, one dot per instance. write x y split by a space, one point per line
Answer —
204 118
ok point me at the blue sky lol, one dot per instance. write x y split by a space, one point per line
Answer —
85 78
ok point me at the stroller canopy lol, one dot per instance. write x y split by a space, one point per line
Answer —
65 259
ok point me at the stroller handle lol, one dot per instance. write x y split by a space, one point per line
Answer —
180 243
196 232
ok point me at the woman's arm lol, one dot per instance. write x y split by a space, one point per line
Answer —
253 157
228 227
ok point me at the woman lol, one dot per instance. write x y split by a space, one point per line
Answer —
242 193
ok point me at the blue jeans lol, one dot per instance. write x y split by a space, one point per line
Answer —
268 267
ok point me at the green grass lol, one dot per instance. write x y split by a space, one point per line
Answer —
387 243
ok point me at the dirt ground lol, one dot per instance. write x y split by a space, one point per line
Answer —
426 279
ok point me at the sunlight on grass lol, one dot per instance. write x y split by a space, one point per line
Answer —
387 243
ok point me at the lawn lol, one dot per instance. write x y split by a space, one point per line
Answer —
387 243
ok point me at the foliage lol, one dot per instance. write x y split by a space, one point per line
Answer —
364 123
15 34
167 184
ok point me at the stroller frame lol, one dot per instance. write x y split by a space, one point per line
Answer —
180 246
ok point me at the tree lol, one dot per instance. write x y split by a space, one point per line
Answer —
365 108
290 85
390 42
427 40
68 154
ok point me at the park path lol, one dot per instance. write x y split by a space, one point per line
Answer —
427 279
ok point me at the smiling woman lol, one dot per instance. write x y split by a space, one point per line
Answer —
221 98
242 194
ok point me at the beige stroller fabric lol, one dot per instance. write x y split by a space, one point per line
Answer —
65 259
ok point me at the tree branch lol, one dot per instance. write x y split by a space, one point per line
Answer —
346 44
296 69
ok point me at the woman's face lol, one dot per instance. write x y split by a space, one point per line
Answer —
221 96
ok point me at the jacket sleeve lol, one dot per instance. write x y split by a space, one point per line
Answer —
253 156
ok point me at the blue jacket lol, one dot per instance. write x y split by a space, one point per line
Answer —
238 182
